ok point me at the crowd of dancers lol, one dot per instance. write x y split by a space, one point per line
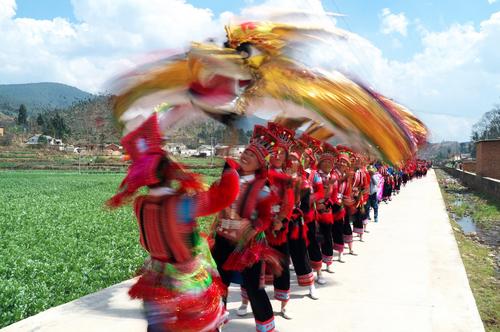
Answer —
289 203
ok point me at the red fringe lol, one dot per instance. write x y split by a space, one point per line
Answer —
147 288
294 235
339 215
278 238
240 260
325 218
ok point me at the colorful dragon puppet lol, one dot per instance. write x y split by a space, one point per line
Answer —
256 71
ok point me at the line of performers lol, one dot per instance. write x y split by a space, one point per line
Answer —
288 203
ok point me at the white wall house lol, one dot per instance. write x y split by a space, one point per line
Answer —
189 152
175 148
38 139
206 150
231 151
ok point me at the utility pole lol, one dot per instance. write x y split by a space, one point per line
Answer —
212 144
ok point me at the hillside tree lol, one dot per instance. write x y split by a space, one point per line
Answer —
59 126
54 126
488 127
22 115
40 121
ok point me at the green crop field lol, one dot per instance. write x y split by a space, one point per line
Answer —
58 242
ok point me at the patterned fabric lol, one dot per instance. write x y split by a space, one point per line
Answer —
182 296
347 238
338 247
358 230
282 295
327 260
316 265
267 326
306 280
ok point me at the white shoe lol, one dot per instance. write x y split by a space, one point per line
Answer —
321 280
285 314
313 294
242 310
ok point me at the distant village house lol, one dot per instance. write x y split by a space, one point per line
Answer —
2 131
113 149
175 149
205 151
229 151
44 139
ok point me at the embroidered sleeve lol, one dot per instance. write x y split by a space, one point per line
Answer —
220 195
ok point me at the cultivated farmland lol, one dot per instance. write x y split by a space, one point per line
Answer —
58 242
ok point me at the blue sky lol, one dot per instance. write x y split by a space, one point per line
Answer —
440 58
362 16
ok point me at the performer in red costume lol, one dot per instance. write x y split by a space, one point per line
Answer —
297 238
359 196
312 181
179 285
339 173
325 204
277 236
348 197
366 194
240 241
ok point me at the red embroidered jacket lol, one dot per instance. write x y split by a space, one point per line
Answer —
312 181
282 186
325 215
166 222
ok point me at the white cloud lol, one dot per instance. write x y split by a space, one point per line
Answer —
7 9
492 1
107 36
450 83
455 75
393 22
445 127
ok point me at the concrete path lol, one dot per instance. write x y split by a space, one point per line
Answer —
408 276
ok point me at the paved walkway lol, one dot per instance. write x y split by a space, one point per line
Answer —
408 276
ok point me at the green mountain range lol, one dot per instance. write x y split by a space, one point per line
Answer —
88 117
39 97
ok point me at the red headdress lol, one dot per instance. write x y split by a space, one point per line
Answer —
284 135
297 149
262 143
329 153
313 146
150 165
344 154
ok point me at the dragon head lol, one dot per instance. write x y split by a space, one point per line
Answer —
257 64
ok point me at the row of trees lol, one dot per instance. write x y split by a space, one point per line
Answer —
488 127
90 121
48 123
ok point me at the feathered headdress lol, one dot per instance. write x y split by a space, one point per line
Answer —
329 153
262 143
284 135
313 147
150 165
344 154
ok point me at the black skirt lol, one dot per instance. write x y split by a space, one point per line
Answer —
347 229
